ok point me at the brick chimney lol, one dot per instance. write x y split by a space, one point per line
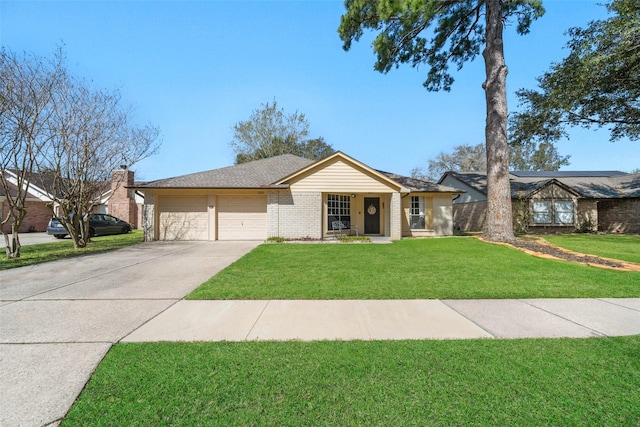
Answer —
122 203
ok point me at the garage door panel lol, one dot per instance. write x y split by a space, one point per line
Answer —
184 218
242 217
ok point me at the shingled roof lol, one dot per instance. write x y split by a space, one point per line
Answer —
265 173
419 185
257 174
586 184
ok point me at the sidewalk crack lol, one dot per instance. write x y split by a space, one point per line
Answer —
560 316
246 338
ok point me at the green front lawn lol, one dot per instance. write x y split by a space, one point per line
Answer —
480 382
410 269
43 252
623 247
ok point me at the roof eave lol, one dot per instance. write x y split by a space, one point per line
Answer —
257 187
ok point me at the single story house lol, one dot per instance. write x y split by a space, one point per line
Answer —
294 198
554 201
37 204
118 201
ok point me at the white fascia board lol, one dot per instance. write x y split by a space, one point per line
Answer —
34 190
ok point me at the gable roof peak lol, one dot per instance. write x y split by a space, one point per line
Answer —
348 159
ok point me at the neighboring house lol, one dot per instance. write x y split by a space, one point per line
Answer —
123 203
37 204
294 198
554 201
122 200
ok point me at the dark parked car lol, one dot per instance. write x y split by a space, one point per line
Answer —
99 224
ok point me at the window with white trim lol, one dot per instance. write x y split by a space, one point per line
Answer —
338 209
563 212
417 213
553 212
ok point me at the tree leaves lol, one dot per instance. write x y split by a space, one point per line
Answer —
433 32
596 85
269 132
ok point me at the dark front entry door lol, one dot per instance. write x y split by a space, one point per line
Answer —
371 215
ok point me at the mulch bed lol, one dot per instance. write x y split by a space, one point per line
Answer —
548 249
539 247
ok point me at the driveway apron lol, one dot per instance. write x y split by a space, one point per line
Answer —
59 319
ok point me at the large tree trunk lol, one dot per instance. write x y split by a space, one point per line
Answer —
498 224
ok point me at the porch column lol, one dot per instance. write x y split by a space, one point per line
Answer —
395 216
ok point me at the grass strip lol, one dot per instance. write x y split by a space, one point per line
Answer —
44 252
623 247
479 382
410 269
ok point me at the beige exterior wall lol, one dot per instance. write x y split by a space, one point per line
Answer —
406 221
442 216
340 177
438 216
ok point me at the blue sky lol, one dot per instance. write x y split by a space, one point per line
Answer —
195 68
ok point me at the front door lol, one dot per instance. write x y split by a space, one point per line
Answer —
371 215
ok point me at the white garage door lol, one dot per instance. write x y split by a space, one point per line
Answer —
242 217
184 218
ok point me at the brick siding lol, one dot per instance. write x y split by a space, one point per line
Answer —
619 216
122 201
395 213
37 218
294 215
608 216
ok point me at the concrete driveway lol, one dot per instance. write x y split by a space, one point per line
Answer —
33 238
58 319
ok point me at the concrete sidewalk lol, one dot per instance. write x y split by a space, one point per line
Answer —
279 320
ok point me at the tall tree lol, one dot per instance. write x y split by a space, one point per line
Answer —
315 149
596 85
536 156
270 132
457 34
463 158
71 136
470 158
90 136
27 86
